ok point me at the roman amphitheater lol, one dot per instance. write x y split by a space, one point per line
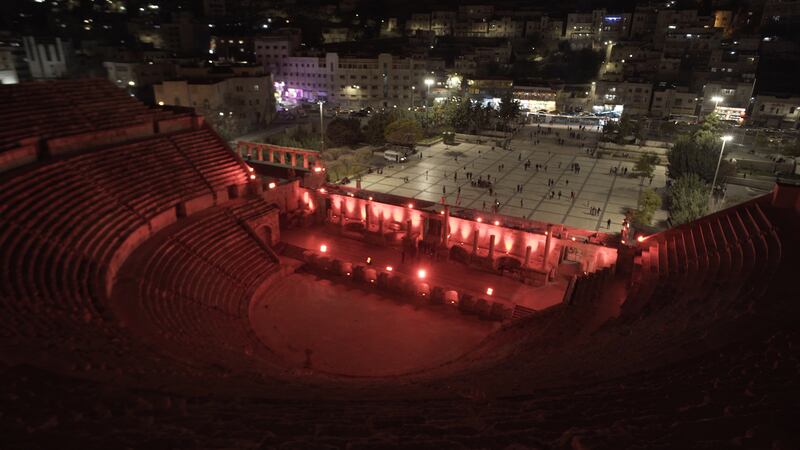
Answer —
161 289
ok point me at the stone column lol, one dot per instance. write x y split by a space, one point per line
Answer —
548 242
446 225
475 235
270 155
367 214
527 255
491 246
380 224
341 212
293 159
305 160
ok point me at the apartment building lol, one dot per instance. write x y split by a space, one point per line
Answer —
776 111
674 102
249 99
729 99
735 59
443 22
13 67
138 74
48 57
355 81
635 97
781 11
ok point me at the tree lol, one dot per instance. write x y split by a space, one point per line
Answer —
791 148
457 114
508 109
403 132
688 198
649 203
697 154
646 165
343 132
629 127
376 127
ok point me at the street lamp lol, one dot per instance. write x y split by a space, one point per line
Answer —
717 100
725 139
428 82
321 128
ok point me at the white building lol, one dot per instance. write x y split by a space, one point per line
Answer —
8 69
674 102
634 97
351 82
48 57
776 112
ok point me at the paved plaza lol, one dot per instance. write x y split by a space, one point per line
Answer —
593 187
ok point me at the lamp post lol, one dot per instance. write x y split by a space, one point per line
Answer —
428 83
717 100
725 139
413 91
321 128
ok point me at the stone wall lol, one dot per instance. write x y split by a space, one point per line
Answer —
470 233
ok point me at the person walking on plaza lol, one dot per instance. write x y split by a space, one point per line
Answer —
608 224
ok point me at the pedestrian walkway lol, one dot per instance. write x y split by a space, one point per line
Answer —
594 186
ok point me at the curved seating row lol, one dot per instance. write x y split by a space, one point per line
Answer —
589 287
62 223
733 249
58 108
195 286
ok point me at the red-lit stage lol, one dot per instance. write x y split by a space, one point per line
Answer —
339 328
442 272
